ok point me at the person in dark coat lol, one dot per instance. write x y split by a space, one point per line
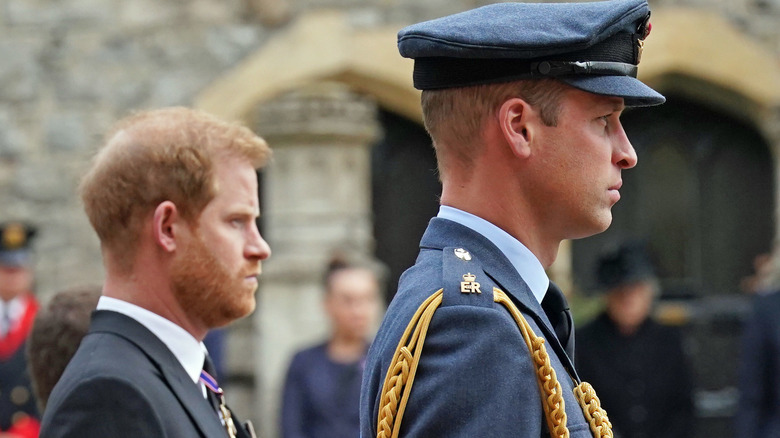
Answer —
637 366
172 196
321 396
758 414
18 307
523 104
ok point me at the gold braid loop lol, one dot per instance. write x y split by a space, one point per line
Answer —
400 375
594 413
549 386
398 378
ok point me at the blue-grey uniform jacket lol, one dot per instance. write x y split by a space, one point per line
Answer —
476 377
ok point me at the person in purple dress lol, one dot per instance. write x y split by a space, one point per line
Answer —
321 394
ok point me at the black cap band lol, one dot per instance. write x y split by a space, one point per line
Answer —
615 56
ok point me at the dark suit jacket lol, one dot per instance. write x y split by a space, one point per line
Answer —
124 382
476 377
759 375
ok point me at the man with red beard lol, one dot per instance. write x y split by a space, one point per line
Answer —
173 198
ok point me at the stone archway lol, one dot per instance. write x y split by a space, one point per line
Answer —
700 55
318 47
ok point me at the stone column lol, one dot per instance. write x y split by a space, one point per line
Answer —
770 129
316 200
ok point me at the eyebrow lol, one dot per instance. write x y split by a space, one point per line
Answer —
618 105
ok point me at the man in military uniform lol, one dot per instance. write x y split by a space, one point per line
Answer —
637 365
18 412
523 103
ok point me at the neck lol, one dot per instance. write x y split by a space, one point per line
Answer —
346 348
503 213
627 330
11 298
147 287
493 186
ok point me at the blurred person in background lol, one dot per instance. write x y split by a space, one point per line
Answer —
56 335
18 306
322 389
637 365
758 412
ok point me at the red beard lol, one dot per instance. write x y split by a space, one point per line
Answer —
207 290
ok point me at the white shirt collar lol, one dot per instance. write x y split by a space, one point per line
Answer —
15 309
183 345
524 261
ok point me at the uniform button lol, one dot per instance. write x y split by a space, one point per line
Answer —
17 416
20 395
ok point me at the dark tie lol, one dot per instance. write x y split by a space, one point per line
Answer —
211 396
557 309
216 397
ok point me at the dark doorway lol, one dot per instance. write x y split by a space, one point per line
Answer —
405 193
702 197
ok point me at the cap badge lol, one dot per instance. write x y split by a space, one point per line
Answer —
642 32
462 254
469 284
14 236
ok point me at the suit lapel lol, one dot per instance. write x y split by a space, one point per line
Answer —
442 233
186 391
191 397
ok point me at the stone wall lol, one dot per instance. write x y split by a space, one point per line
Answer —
70 69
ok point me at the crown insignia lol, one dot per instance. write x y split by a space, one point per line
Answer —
469 284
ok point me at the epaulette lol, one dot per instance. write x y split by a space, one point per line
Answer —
465 282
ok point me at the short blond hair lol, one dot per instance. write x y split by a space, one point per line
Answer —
158 155
455 116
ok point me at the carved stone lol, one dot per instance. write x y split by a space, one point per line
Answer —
317 200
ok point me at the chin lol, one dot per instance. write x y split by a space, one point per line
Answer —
247 306
602 223
591 230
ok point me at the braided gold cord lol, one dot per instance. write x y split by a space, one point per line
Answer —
400 375
594 413
549 386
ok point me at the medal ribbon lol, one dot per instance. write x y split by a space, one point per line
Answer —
227 419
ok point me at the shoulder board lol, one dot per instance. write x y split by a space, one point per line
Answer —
465 283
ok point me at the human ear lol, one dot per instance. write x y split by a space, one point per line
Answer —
165 217
513 117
